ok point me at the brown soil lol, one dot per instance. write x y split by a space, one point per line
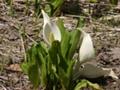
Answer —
106 41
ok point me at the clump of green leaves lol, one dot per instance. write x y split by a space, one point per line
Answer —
51 69
52 66
47 67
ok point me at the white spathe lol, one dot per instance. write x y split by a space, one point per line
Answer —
86 51
51 31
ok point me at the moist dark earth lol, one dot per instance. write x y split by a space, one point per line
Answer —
106 39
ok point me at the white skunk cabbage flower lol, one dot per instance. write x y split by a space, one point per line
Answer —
51 31
92 71
86 51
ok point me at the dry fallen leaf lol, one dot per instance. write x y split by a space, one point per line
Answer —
14 67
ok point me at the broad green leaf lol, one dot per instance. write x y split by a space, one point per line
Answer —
56 55
53 52
31 55
34 75
65 43
57 3
75 38
42 63
70 68
55 6
62 61
25 67
69 73
43 70
81 22
81 85
42 48
35 60
65 76
94 86
64 80
86 84
60 24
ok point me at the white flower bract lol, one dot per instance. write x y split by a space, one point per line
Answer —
50 28
86 51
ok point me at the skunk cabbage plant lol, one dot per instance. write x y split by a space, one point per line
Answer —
86 51
53 66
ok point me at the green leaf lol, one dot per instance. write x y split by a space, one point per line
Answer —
49 9
56 55
85 84
64 80
74 42
35 65
93 1
34 75
42 63
94 86
43 70
53 51
69 73
62 61
81 22
37 6
31 55
42 48
57 3
81 85
25 67
114 2
60 24
65 76
65 43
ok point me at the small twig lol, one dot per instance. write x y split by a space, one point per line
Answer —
20 32
3 78
30 38
23 46
3 87
114 29
21 38
110 17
